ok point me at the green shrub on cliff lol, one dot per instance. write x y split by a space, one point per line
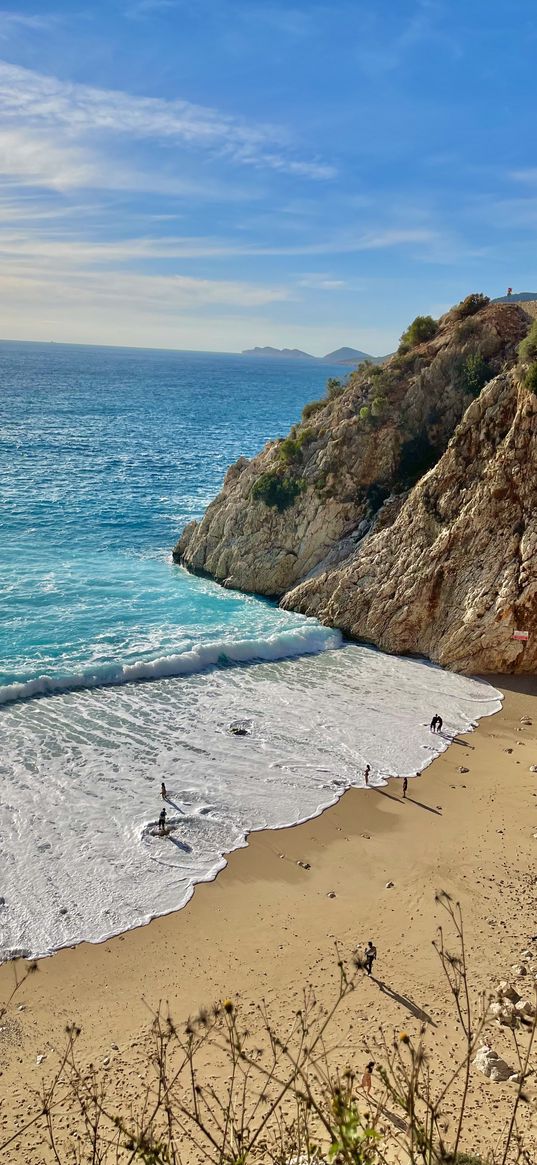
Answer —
334 387
474 374
277 490
530 379
527 349
312 407
421 329
378 406
291 448
469 306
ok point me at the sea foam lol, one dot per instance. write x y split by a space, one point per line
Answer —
81 773
307 639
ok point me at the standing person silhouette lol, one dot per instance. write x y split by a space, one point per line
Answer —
162 822
405 786
367 1079
370 956
367 771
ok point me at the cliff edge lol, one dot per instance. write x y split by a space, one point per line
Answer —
402 508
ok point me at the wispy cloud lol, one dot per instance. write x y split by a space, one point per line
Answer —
78 113
318 281
528 176
75 250
14 21
39 159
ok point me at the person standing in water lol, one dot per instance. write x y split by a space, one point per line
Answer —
367 771
162 822
405 786
163 791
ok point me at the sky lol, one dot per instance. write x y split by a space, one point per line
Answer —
219 174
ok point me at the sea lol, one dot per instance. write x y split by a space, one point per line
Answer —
120 670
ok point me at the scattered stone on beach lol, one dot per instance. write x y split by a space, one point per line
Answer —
389 885
508 750
525 1007
491 1065
304 865
533 769
519 970
463 769
525 720
366 835
507 990
39 1059
331 894
63 910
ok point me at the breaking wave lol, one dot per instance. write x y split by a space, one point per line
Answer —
307 640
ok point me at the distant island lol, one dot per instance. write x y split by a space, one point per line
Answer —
517 297
340 356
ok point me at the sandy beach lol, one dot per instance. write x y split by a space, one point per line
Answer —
267 925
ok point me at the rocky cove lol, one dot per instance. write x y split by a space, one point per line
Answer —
401 509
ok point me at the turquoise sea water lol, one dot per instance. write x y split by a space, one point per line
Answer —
104 455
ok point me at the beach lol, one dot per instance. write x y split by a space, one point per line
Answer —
267 925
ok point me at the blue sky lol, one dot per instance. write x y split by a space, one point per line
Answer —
214 174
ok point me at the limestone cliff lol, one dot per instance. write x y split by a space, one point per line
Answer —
395 508
456 573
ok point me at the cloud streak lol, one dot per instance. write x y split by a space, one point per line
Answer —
14 21
76 114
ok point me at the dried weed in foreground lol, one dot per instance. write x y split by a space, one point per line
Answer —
219 1094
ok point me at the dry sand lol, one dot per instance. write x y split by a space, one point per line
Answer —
268 925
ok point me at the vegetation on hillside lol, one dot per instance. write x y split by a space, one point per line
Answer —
277 489
527 349
421 329
471 305
530 379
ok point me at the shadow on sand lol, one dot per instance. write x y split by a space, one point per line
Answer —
422 805
405 1001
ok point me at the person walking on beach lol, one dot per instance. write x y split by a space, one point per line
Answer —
367 771
370 956
163 792
162 822
405 786
367 1078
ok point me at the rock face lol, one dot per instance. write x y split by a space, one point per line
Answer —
403 510
456 573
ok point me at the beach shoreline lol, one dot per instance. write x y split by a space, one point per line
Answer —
269 920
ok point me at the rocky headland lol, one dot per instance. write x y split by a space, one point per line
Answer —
401 509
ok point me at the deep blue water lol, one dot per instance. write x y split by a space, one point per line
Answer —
105 454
